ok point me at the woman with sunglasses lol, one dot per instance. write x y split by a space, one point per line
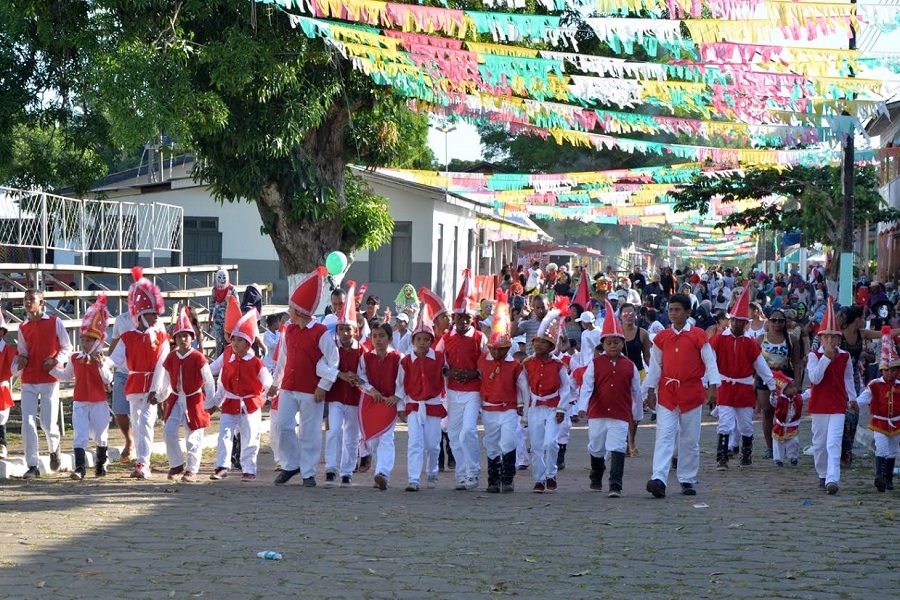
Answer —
637 350
782 352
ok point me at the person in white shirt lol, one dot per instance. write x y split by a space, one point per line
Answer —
271 338
535 279
402 337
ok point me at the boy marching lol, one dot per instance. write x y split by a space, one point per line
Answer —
882 396
440 321
788 405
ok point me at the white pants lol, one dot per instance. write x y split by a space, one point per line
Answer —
274 435
733 419
607 435
564 428
300 451
499 432
789 449
522 457
672 424
382 448
47 394
248 426
424 438
462 427
143 418
543 431
827 433
342 438
90 420
886 446
4 417
193 441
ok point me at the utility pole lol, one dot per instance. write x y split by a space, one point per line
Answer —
845 296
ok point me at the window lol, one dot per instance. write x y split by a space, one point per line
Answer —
393 262
202 241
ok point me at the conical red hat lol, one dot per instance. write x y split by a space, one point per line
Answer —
500 323
465 299
741 308
889 358
424 323
583 295
232 313
308 293
95 321
347 316
435 304
183 323
829 320
611 325
144 296
246 327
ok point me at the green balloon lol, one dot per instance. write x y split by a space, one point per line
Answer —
336 262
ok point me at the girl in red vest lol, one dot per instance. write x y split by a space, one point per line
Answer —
243 381
423 387
92 373
611 398
43 345
8 368
831 375
883 397
142 350
788 405
382 383
186 381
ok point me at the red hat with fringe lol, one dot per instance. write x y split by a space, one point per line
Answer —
500 337
144 296
95 321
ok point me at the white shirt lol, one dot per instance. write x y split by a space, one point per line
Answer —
402 342
68 372
637 395
523 391
264 377
119 358
707 354
816 369
327 366
270 339
162 383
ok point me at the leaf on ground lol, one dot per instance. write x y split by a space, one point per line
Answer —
372 571
198 594
679 528
90 561
85 573
790 576
714 573
735 526
500 586
580 574
888 514
519 523
40 584
528 559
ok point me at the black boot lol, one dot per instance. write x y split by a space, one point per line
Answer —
100 468
236 452
441 454
722 453
889 473
2 441
80 462
451 462
746 450
508 472
561 458
598 467
616 470
493 468
880 479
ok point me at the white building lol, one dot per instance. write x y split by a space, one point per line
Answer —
885 134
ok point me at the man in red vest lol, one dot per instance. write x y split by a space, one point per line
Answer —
43 345
307 368
680 359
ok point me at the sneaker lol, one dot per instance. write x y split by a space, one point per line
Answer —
189 477
219 473
77 475
309 482
365 463
551 484
54 461
285 476
471 483
657 488
330 477
175 472
381 481
431 483
412 486
767 453
522 468
32 473
794 462
688 489
615 493
832 488
722 464
460 485
539 488
3 452
779 463
346 481
248 477
140 471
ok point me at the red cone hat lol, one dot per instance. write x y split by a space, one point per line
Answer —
246 327
465 299
741 308
95 321
829 320
347 316
500 322
308 293
611 325
435 304
183 323
232 313
583 295
424 323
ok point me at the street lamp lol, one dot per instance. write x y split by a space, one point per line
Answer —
446 129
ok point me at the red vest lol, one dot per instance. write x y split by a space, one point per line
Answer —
89 386
423 378
544 379
498 384
342 391
463 353
382 374
680 385
885 406
302 346
611 398
241 378
186 374
40 337
735 357
829 397
142 352
786 424
7 358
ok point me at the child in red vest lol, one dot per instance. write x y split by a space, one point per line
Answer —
382 385
788 405
504 390
142 350
186 379
550 390
611 398
831 375
243 382
8 368
423 387
883 397
43 345
342 437
92 373
440 321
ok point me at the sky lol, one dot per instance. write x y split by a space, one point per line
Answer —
463 143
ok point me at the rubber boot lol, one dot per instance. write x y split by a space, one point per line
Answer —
561 458
100 467
598 467
889 473
451 462
3 451
616 470
441 454
508 472
880 479
493 468
236 452
746 450
80 462
722 453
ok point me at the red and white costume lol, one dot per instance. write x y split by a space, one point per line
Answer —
883 399
611 396
504 390
377 420
738 359
8 368
786 427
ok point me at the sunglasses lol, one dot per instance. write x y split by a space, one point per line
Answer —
778 320
372 303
